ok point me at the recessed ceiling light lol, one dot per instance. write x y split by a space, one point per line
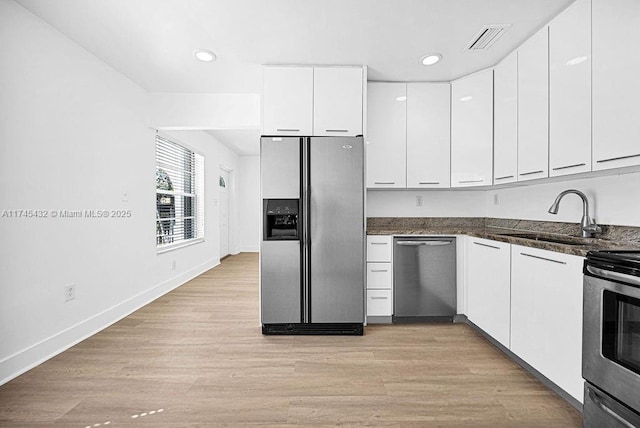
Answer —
204 55
465 98
401 98
431 58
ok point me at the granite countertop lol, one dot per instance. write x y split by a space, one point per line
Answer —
536 234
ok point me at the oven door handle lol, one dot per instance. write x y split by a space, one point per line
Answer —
598 402
616 276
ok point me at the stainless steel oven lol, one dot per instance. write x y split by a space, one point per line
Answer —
611 339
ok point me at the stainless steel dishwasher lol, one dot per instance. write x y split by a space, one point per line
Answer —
424 279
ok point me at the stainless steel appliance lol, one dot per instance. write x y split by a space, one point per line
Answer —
611 339
424 279
312 248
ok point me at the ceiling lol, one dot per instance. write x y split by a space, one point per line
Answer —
245 142
152 41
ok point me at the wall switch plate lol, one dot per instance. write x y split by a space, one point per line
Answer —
418 201
69 292
125 197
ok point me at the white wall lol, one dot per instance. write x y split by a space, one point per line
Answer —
249 209
436 203
74 137
216 155
204 111
614 200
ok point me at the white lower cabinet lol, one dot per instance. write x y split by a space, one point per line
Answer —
379 248
489 287
379 303
379 276
546 314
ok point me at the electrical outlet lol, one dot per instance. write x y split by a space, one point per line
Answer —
418 201
496 201
69 293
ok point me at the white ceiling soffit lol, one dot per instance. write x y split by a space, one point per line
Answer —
245 142
152 41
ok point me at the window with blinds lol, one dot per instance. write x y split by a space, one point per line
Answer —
179 195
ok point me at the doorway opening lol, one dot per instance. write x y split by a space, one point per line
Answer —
224 183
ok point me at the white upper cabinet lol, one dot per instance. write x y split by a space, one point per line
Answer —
505 138
316 101
386 135
570 91
428 135
533 107
337 101
287 107
616 85
472 130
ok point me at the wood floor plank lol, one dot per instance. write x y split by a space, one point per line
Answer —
198 354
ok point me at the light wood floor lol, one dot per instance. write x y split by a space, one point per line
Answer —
196 357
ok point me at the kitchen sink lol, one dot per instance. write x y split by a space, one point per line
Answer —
555 240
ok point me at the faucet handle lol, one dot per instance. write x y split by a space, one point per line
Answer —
593 227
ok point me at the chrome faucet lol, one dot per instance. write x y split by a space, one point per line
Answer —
588 226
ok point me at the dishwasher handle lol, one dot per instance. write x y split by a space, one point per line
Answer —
418 243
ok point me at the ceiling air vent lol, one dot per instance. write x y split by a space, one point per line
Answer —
487 37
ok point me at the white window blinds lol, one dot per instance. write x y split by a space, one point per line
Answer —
179 194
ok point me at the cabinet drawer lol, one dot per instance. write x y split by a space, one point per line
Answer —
379 248
379 275
379 303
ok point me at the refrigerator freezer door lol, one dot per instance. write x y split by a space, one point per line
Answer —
280 167
280 282
336 229
280 261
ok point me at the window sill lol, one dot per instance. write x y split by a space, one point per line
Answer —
167 248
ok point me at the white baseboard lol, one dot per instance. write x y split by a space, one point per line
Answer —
28 358
251 249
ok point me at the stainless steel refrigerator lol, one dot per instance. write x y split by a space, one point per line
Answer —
312 247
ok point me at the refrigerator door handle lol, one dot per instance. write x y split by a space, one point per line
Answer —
428 243
306 245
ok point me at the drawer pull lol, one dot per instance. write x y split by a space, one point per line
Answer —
532 172
429 182
379 298
618 158
486 245
569 166
336 130
379 270
379 243
287 130
504 178
471 181
384 182
544 258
